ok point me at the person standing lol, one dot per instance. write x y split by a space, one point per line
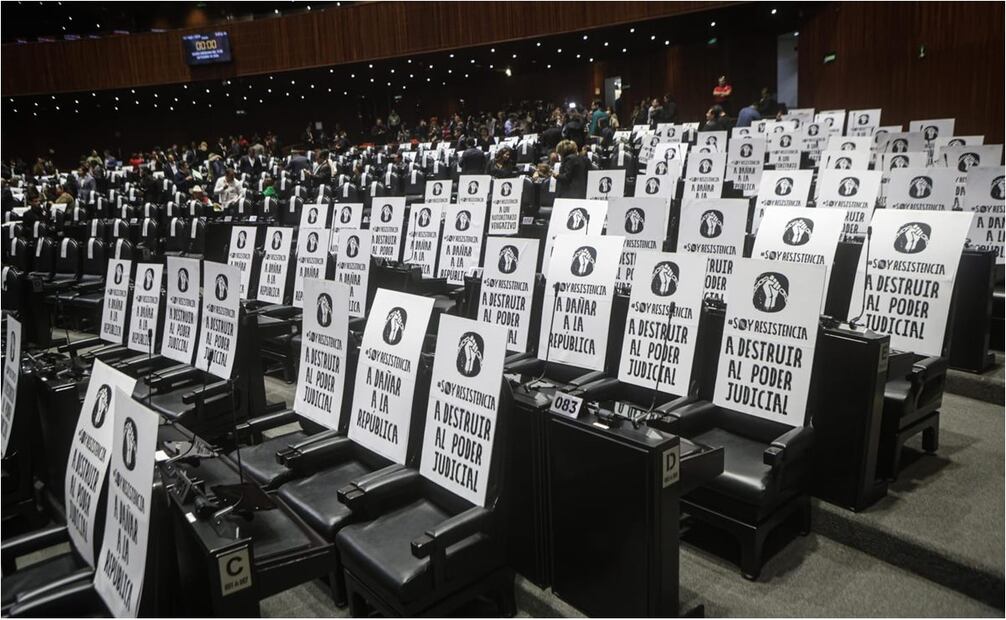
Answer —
722 92
748 115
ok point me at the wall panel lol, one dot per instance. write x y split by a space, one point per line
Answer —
332 36
878 62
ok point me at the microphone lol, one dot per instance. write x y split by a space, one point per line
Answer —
853 323
548 345
663 356
586 225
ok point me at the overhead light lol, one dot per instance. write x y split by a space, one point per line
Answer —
773 11
508 72
558 51
652 37
538 44
590 60
584 37
331 70
492 50
352 75
631 30
392 70
572 105
370 66
667 42
548 66
452 55
578 56
712 24
473 61
409 61
605 44
624 50
515 55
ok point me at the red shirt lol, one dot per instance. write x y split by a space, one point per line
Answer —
722 93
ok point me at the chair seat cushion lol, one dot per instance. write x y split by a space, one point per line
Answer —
259 461
314 498
382 550
36 576
745 478
898 398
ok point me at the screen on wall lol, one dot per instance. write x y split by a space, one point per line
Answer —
201 49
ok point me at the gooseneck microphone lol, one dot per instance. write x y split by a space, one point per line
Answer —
663 356
548 341
412 238
853 323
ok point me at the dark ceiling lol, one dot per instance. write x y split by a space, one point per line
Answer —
28 21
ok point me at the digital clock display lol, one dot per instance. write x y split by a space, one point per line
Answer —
201 49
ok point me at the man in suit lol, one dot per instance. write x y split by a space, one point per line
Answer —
473 160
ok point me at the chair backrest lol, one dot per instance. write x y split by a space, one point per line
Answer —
18 254
197 236
68 259
123 249
44 256
149 232
95 262
118 229
269 209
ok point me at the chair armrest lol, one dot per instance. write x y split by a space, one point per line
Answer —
601 389
77 345
365 494
267 421
309 456
85 574
90 287
590 377
136 363
790 446
677 403
76 599
930 367
451 531
18 546
693 413
525 366
202 393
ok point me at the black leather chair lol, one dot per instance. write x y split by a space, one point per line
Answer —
427 551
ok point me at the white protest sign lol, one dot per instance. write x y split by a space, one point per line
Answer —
925 189
508 287
315 216
386 373
576 317
849 143
241 255
387 219
438 192
322 374
845 160
933 128
812 139
89 451
504 212
668 159
781 188
181 310
715 140
221 312
575 217
855 192
659 348
461 246
769 335
146 307
312 259
473 189
913 263
464 401
643 223
352 267
704 176
656 186
900 142
984 197
893 161
605 184
800 235
745 163
862 122
716 230
113 311
963 158
784 150
834 120
345 215
423 239
801 115
275 264
118 577
11 374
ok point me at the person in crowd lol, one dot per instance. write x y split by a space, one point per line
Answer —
605 133
668 110
613 119
394 122
722 92
485 138
66 195
269 188
542 172
768 107
227 189
654 112
473 160
298 162
748 115
574 129
716 120
322 169
597 112
571 181
503 165
379 132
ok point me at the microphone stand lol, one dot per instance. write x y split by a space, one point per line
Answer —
548 345
663 356
866 274
412 238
